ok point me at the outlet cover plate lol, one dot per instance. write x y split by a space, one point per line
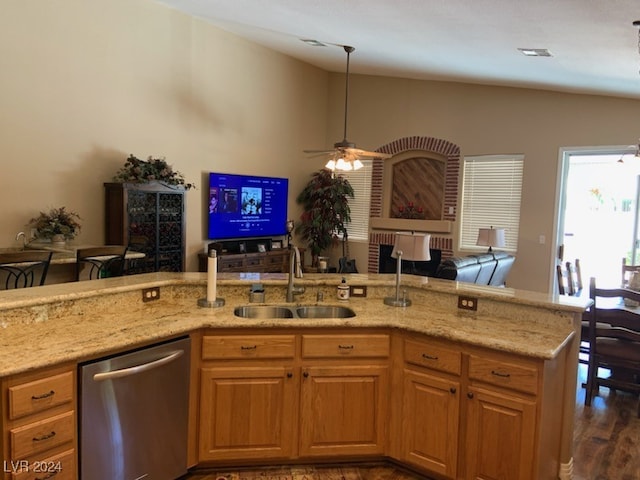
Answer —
150 294
467 303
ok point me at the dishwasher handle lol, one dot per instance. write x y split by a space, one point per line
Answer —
125 372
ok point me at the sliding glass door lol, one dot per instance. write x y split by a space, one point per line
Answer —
598 213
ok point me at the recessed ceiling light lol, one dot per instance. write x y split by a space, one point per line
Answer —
313 43
535 52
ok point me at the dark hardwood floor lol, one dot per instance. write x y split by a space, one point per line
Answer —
606 447
369 472
606 438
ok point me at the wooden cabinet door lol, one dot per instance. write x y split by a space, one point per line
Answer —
500 436
247 413
343 410
430 417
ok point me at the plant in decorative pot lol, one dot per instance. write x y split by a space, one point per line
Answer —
136 170
325 200
58 225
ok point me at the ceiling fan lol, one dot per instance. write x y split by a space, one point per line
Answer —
345 156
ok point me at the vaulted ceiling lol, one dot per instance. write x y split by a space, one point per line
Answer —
593 43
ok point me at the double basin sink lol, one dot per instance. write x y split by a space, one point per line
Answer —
285 311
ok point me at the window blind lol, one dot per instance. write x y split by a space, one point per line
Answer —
360 180
491 196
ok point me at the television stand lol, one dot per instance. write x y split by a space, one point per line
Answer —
273 261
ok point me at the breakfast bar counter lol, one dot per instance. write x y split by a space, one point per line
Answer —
75 322
56 323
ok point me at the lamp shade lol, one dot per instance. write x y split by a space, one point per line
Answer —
491 237
414 246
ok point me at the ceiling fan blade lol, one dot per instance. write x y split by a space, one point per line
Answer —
315 153
359 153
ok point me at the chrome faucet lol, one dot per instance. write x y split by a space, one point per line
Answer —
295 271
24 239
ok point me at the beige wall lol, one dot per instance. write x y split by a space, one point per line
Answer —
84 83
491 120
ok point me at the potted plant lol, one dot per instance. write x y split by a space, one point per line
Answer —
136 170
325 200
58 224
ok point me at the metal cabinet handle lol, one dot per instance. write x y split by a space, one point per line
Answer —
429 357
453 390
498 374
305 374
248 347
50 393
289 375
46 436
470 395
346 347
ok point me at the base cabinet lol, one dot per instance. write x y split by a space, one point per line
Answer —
476 414
448 410
39 437
266 397
246 413
500 435
343 410
431 411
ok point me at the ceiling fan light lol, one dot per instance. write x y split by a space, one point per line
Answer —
342 165
357 164
331 164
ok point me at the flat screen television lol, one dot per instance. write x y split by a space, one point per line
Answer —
243 206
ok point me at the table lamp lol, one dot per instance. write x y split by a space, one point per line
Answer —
491 237
412 247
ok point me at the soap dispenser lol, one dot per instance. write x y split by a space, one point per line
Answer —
343 290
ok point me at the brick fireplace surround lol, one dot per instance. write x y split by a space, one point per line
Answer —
423 146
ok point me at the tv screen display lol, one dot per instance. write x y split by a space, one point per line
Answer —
242 206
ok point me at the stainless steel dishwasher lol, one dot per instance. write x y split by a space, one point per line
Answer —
134 414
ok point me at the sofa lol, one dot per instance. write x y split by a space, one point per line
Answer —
490 268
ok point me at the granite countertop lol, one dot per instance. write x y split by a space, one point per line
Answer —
85 320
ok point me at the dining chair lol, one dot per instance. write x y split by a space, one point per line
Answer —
24 269
614 334
569 278
627 271
100 262
570 283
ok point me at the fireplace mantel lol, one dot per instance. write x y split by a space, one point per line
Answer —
406 224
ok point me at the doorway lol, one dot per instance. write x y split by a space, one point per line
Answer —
598 211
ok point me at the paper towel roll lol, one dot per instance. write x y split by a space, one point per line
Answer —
212 276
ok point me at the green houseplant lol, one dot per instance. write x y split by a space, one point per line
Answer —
136 170
57 221
325 200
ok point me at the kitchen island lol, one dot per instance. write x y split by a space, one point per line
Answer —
536 334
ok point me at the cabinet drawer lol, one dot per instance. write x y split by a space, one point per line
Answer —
225 263
523 378
431 355
253 261
40 436
275 259
339 346
39 395
220 347
58 467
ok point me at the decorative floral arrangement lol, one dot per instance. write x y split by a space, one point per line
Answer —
145 171
410 211
58 221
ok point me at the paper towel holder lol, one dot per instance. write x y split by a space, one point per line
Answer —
216 302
